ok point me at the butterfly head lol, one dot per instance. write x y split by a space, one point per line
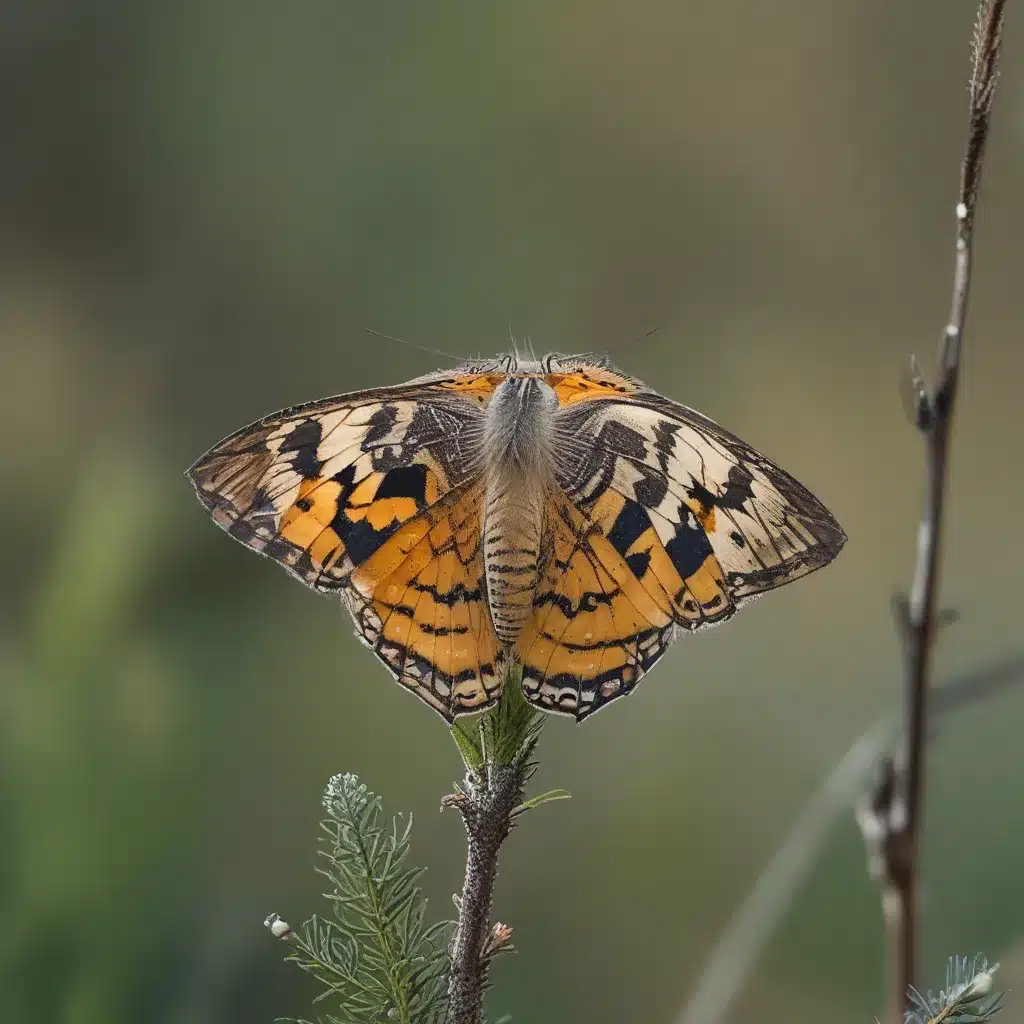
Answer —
553 362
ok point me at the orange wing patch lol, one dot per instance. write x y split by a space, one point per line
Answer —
612 598
477 386
307 522
420 603
590 638
339 523
583 385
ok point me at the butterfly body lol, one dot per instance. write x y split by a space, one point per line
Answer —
519 459
555 513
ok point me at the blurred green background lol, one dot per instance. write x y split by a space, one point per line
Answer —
205 204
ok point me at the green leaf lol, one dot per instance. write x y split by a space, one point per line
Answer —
509 731
544 798
467 739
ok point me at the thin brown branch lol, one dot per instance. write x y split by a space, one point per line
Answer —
486 803
497 752
935 419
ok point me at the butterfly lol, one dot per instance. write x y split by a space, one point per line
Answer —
555 514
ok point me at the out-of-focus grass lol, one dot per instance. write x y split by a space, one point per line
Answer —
206 210
92 778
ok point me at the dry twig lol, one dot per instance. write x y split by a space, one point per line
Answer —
898 802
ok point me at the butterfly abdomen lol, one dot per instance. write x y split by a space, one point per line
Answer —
512 532
518 461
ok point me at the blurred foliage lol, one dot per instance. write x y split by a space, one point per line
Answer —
206 204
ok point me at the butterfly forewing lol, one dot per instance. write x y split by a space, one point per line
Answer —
694 478
371 495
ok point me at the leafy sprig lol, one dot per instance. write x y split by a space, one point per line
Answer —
505 733
376 956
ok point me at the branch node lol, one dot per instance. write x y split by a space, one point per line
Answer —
459 801
499 940
924 407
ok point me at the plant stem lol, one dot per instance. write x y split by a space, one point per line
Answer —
486 805
935 418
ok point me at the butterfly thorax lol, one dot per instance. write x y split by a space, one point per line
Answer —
519 427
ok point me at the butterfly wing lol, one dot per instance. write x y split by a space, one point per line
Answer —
376 496
669 524
420 604
596 628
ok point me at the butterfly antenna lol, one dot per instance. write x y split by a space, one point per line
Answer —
412 344
635 338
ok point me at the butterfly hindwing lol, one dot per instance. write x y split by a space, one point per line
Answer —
420 604
611 600
596 629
